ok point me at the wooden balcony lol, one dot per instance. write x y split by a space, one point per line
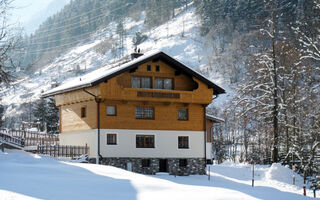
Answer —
201 95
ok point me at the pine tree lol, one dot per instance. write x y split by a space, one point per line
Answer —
39 113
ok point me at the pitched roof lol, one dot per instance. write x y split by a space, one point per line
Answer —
110 71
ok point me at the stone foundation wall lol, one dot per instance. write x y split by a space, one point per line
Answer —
194 165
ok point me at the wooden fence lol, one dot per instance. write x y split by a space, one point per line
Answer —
62 151
32 138
9 139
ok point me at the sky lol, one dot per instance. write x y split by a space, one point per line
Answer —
31 13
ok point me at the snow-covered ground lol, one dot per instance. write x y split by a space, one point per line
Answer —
27 176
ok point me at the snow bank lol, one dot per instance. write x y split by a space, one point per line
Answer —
283 174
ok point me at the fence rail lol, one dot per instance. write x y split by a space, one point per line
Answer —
10 139
32 138
62 151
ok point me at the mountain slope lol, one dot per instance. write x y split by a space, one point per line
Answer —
178 37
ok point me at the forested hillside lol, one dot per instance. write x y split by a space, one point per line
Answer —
80 19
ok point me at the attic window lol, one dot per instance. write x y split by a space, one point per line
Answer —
148 67
141 82
163 83
157 68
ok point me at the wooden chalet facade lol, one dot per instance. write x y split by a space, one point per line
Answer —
147 115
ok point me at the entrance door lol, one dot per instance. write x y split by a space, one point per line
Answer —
163 165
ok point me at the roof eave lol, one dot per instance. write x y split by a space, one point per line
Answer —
66 90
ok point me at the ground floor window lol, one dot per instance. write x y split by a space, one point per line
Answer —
145 141
111 139
183 142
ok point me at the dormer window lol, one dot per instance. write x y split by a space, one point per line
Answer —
141 82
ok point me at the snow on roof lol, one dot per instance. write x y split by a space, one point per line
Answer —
214 118
104 73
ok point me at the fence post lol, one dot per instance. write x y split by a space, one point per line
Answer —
54 151
71 152
58 150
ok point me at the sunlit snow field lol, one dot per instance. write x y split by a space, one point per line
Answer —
28 176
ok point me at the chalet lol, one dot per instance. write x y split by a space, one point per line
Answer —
147 115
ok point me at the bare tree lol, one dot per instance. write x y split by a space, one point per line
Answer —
8 43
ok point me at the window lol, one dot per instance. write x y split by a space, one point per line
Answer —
182 114
83 112
111 110
144 113
163 83
158 68
145 141
111 139
145 162
183 142
148 67
183 162
141 82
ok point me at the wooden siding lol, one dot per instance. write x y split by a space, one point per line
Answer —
188 92
165 117
71 117
180 82
209 125
77 96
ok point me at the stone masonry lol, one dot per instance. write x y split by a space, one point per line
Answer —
194 165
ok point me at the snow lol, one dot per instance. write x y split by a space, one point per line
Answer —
28 176
89 78
214 117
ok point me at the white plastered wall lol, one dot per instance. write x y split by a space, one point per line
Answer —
209 150
81 138
166 143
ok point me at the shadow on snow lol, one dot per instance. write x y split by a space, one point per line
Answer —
55 180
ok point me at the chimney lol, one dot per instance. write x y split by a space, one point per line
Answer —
135 55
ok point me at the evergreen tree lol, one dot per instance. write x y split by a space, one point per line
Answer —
47 114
